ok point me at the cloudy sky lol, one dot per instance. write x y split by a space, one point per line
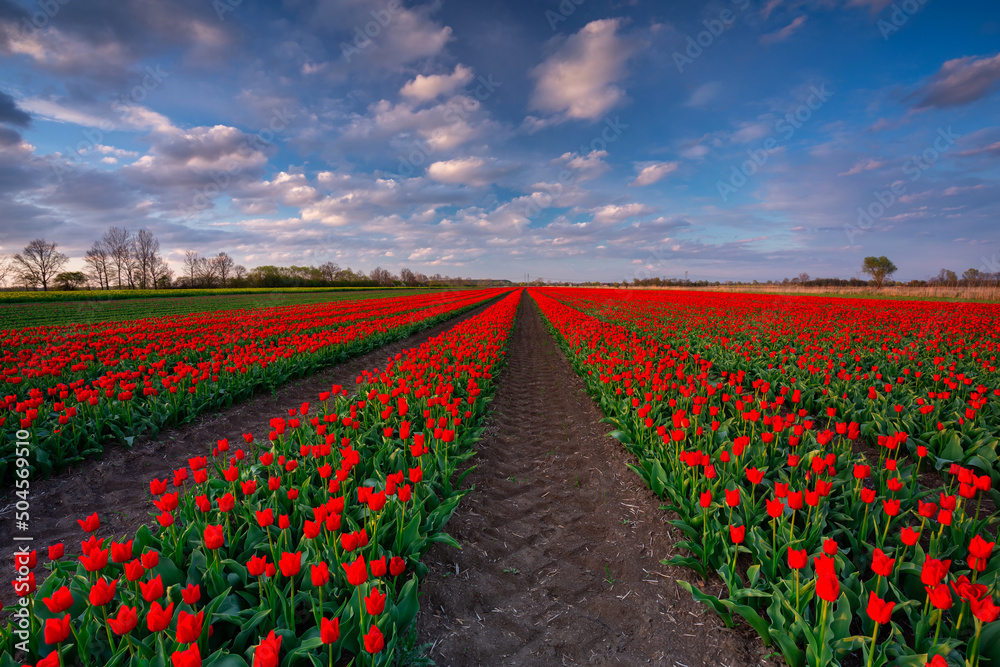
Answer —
568 139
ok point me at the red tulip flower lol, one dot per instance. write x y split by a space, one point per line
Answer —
827 584
158 618
320 574
737 533
189 657
397 566
125 621
214 537
134 570
940 596
61 600
979 553
329 631
733 497
57 629
191 594
882 564
90 524
268 652
375 602
102 592
290 563
56 551
152 589
775 508
934 571
797 559
984 610
878 609
374 641
377 567
705 499
357 572
189 626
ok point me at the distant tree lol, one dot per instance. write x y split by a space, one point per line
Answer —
145 256
329 271
381 277
5 268
191 267
408 277
945 277
239 274
39 263
206 272
223 267
163 275
117 241
71 280
98 261
879 268
803 277
972 276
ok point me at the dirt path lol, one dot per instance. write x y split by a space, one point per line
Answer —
561 542
116 486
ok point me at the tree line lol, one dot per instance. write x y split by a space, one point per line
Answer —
122 259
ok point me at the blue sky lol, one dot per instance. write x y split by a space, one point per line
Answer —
568 139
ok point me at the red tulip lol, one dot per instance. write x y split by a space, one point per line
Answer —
737 533
61 600
191 594
979 553
397 566
984 609
377 567
827 584
320 574
158 618
909 536
797 559
268 652
878 609
329 631
934 571
882 564
189 626
705 499
375 602
775 508
733 497
90 524
102 592
57 629
189 657
357 572
290 563
125 621
940 596
121 552
56 551
152 589
214 537
374 642
134 570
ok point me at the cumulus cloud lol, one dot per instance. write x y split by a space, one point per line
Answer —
652 173
474 171
619 212
581 79
960 81
426 88
585 167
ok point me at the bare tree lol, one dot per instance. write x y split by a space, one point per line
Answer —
5 268
145 255
206 272
191 266
222 267
118 243
163 275
39 262
98 261
239 273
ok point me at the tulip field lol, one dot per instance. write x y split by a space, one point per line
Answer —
830 466
77 388
297 546
831 461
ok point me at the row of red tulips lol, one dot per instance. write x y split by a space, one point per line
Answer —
299 546
78 388
828 539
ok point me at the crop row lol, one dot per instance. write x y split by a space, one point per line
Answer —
801 473
301 547
78 388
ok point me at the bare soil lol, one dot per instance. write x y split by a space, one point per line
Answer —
561 542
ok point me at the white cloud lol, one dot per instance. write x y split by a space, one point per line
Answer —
426 88
615 213
654 172
784 33
461 171
586 167
580 80
704 94
867 164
